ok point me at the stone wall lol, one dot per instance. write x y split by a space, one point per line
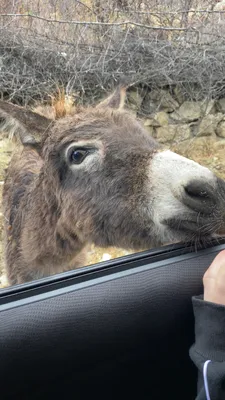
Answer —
174 121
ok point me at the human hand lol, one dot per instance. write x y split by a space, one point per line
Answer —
214 280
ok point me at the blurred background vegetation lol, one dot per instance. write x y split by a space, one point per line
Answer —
88 46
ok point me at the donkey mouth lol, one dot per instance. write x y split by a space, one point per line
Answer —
198 226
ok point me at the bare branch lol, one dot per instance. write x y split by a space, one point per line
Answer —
86 23
178 12
85 6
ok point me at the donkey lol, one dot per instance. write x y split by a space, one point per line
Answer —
98 177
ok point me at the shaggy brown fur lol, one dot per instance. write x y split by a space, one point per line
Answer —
47 226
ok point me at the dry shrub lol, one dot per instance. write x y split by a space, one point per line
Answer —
174 43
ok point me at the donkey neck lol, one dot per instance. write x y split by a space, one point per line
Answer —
42 231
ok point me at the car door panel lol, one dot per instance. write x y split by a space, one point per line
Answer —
121 327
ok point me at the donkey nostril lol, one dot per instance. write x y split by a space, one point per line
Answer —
199 196
193 190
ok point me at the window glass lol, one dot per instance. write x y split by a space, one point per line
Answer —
112 125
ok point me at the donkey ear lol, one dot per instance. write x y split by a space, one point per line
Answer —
24 123
32 121
30 142
116 100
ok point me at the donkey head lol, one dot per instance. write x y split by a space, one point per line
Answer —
113 185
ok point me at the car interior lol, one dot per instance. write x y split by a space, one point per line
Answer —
119 329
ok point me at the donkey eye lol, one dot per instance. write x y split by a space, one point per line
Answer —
77 156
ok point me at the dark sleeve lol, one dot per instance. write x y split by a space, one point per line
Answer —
208 351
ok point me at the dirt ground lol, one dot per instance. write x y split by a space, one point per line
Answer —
208 152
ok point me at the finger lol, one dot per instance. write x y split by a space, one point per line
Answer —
217 264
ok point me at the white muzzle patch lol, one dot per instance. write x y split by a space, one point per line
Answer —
169 174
